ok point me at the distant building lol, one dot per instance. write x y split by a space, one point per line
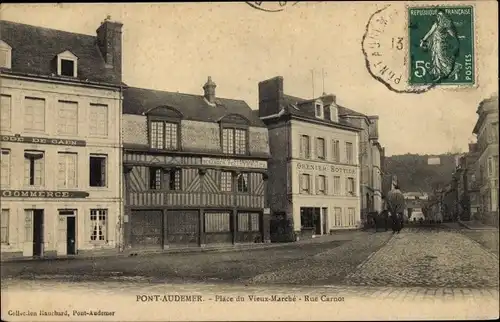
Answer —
434 161
195 170
60 143
486 130
415 200
314 169
467 185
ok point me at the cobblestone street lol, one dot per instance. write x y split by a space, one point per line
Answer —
429 258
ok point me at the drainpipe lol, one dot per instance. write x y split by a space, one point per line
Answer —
120 175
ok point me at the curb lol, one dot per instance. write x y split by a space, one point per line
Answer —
176 251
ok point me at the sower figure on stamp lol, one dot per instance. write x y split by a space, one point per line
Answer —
396 206
442 41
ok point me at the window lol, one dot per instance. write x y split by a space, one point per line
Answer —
5 112
320 148
338 217
98 222
248 222
174 179
234 141
5 55
318 109
305 147
67 113
97 171
336 185
217 222
5 160
67 174
226 179
305 183
98 115
350 187
34 114
336 150
155 178
67 68
4 230
349 153
321 185
495 164
33 168
164 135
351 216
242 181
490 166
334 115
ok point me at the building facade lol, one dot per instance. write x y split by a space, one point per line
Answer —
467 185
370 156
314 170
60 188
195 169
486 130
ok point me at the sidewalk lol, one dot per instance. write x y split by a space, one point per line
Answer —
339 236
476 225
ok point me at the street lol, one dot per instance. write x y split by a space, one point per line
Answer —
452 271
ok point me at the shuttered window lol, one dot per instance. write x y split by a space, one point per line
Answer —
98 120
98 225
4 230
338 217
336 185
320 148
350 187
67 170
305 183
5 161
34 168
321 185
5 112
349 152
34 114
67 118
217 222
351 216
335 151
305 147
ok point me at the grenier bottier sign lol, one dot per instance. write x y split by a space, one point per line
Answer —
43 194
325 168
34 140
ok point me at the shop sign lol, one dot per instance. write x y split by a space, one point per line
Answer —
326 168
43 194
35 140
237 163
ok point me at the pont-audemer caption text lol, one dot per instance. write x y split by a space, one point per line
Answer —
239 298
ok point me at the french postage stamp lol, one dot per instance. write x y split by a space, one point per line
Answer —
441 45
411 49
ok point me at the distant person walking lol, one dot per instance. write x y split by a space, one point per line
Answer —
396 206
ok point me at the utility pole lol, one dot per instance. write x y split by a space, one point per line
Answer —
312 78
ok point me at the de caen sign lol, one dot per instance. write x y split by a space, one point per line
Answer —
34 140
43 194
324 168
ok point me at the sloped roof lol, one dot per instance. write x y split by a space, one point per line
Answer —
35 48
294 105
193 107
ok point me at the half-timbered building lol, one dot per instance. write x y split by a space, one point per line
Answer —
195 169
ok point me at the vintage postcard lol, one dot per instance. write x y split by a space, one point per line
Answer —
249 161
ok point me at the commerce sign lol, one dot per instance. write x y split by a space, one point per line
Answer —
325 168
43 194
239 163
35 140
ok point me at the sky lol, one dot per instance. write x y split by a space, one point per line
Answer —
175 47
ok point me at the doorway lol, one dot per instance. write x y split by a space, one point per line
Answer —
38 232
324 213
71 235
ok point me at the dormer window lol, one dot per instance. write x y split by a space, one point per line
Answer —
5 55
318 109
164 128
67 64
334 113
234 136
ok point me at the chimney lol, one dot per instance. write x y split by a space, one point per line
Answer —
270 96
373 128
109 40
209 89
472 147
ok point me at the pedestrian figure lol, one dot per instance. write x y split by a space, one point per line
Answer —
396 206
